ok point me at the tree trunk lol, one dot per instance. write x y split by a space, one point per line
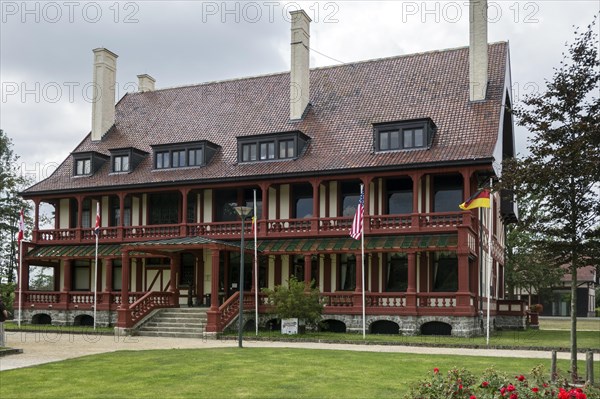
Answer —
574 376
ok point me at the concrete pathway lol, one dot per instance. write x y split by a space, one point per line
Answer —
39 348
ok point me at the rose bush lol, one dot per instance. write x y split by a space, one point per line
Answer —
462 384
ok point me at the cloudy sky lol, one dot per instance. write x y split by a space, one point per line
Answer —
46 50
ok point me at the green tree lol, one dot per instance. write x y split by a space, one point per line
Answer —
528 266
563 168
11 182
296 300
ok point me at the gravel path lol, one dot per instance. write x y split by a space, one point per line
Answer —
39 348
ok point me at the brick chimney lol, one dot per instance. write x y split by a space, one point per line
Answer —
103 105
145 83
478 50
299 76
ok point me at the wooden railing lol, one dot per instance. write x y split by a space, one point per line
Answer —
330 226
150 301
75 299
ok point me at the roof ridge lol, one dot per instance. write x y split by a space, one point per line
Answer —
220 81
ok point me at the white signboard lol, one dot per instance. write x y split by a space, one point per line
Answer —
289 326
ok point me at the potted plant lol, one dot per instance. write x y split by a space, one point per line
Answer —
298 304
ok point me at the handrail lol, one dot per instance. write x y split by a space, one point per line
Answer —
147 303
330 226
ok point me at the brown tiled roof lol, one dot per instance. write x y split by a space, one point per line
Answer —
345 101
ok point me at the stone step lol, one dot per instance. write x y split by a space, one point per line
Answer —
179 320
170 334
171 329
155 323
178 323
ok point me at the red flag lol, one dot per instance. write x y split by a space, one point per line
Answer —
21 226
357 223
97 227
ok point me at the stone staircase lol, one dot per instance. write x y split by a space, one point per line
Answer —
176 322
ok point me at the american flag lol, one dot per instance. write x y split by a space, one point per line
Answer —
21 226
357 223
97 227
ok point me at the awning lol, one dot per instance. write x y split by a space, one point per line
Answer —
372 244
74 251
275 246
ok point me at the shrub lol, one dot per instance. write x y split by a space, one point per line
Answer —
296 300
461 384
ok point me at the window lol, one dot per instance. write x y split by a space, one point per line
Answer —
164 208
249 152
448 193
195 157
116 211
83 167
350 193
162 160
303 201
121 163
181 155
347 272
397 273
178 159
399 196
271 147
445 272
267 150
404 135
286 149
81 276
413 138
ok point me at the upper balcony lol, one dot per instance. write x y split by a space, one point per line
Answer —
440 222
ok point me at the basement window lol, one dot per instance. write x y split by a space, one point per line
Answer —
403 135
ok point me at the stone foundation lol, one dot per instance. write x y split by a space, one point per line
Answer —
67 317
411 325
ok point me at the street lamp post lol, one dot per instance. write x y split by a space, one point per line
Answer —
243 211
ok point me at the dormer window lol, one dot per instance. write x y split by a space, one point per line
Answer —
181 155
121 163
83 167
407 135
124 160
271 147
87 163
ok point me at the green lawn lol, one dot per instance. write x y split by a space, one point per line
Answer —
243 373
544 339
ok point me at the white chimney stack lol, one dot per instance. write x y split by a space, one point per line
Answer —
103 105
145 83
478 50
299 76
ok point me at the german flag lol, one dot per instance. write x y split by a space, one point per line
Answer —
481 199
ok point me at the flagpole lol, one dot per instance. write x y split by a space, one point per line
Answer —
255 225
489 265
20 280
97 234
362 250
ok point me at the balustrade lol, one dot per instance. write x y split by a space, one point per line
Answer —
331 226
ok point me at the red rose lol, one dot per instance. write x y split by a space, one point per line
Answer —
436 370
510 388
535 389
521 377
485 384
513 396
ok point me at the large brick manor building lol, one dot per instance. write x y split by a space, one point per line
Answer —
422 132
